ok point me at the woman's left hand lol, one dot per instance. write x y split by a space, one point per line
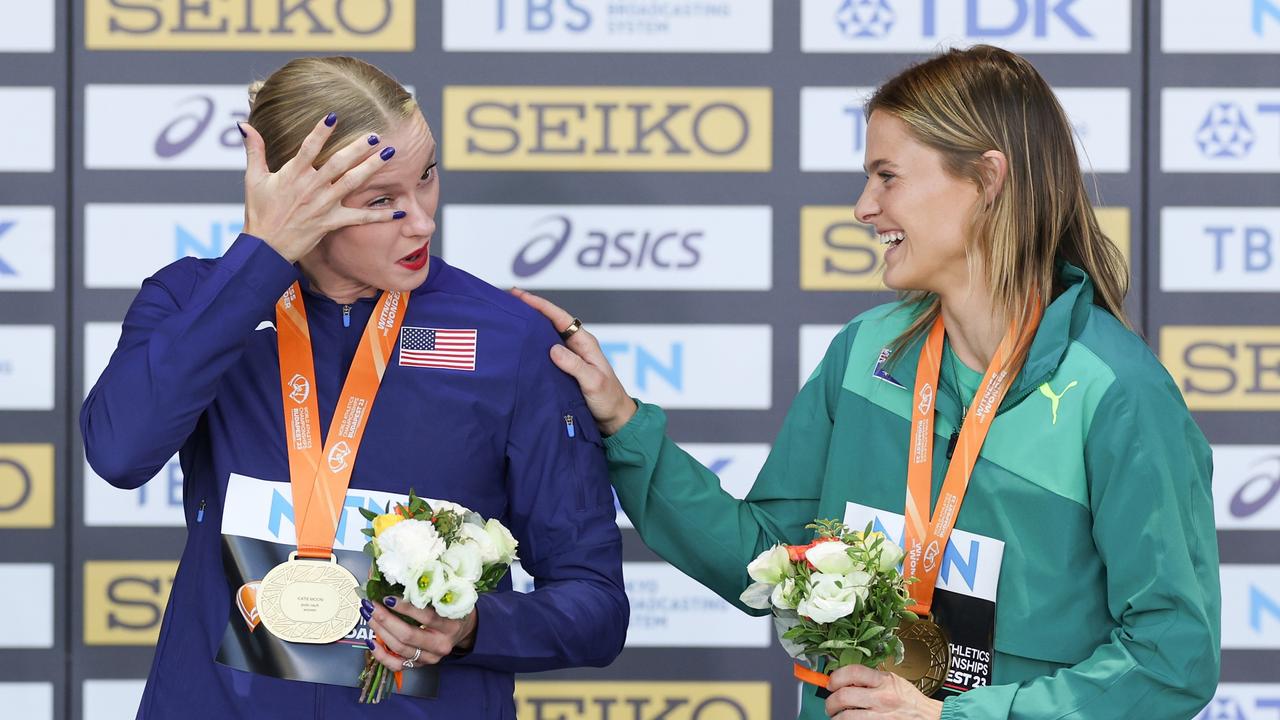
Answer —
435 636
861 693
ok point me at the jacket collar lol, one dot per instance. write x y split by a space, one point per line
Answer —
1062 321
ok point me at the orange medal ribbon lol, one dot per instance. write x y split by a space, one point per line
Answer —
924 545
320 477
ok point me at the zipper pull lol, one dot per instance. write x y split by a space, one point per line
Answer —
568 426
346 316
200 512
951 445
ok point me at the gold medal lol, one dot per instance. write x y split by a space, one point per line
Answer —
926 655
309 601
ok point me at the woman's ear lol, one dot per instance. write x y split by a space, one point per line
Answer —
995 167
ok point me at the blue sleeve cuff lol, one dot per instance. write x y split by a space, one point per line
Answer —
255 263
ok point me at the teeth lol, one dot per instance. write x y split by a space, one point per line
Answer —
893 237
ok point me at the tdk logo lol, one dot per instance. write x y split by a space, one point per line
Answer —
1225 132
922 25
667 249
865 18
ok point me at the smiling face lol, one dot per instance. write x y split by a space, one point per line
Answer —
359 260
916 206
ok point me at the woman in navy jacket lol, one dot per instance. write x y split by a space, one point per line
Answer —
341 193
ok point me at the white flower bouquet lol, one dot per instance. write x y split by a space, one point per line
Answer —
435 554
836 601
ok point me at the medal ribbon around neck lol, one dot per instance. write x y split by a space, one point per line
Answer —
925 544
320 477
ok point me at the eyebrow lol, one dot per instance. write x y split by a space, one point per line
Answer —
381 187
875 165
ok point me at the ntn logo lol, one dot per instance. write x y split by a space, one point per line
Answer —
214 243
1262 606
600 248
952 558
643 362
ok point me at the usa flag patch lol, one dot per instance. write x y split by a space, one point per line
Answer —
446 348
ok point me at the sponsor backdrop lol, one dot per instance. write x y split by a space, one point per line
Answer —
679 173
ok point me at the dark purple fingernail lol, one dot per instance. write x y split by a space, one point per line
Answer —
366 605
387 153
330 119
398 214
369 643
390 601
373 140
243 134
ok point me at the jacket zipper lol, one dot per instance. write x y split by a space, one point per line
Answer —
200 512
346 316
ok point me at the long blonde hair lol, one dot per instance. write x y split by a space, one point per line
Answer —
286 106
964 103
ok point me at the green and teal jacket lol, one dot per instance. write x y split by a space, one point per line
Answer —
1093 475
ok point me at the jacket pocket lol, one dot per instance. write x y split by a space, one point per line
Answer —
586 448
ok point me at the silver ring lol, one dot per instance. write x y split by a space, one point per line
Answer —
568 332
408 664
417 653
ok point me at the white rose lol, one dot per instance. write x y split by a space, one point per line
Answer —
830 557
405 550
446 506
456 600
831 597
503 540
427 587
781 592
771 566
890 553
463 561
757 595
476 534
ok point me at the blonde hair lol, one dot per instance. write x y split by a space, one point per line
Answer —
286 106
964 103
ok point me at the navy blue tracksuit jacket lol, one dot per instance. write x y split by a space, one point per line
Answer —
197 371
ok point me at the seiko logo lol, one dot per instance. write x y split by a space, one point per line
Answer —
249 25
300 389
607 128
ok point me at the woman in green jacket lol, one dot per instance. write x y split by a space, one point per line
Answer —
1087 519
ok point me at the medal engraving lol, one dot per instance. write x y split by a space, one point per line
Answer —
309 601
926 657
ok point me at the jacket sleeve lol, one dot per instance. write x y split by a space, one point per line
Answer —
1148 469
185 328
683 514
562 514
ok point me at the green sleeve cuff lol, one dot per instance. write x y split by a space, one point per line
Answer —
648 422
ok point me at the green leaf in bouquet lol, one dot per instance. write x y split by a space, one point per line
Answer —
870 632
368 548
368 514
367 532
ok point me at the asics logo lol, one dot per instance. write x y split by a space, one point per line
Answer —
1047 391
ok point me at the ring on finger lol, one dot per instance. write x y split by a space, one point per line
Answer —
568 332
417 653
408 664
